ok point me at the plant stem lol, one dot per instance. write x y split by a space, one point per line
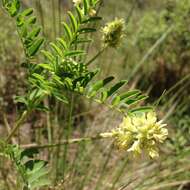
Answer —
17 125
70 141
96 56
68 132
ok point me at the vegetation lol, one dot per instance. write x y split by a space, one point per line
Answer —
74 79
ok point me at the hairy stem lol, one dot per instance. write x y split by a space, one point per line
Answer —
96 56
70 141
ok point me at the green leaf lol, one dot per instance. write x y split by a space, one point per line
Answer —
86 6
68 31
57 49
35 46
79 13
86 30
74 53
36 173
27 12
46 66
39 77
21 99
34 33
104 96
132 101
57 79
73 21
24 31
29 153
116 87
12 7
98 85
42 108
141 109
81 40
129 94
60 97
88 77
32 20
20 20
48 55
41 182
116 101
68 83
62 42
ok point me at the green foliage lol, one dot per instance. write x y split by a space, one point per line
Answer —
33 172
119 101
153 24
64 68
26 25
12 6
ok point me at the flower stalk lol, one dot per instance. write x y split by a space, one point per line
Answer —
70 141
136 134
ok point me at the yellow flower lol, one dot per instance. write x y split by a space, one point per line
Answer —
77 2
138 133
113 32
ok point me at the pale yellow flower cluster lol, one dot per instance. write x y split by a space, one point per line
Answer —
140 133
113 33
77 2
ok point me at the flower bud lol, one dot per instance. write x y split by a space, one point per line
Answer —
113 33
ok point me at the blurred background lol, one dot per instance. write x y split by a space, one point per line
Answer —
154 56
